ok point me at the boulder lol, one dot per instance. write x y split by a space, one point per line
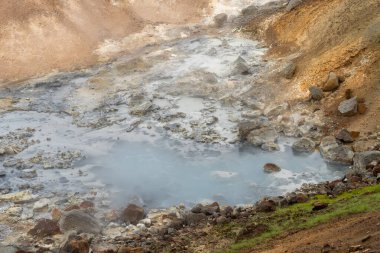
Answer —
75 244
270 146
194 218
333 152
240 67
344 136
289 70
271 167
44 228
304 145
319 206
332 82
348 107
361 160
206 209
220 19
316 93
141 109
246 127
295 198
79 221
261 136
266 206
133 214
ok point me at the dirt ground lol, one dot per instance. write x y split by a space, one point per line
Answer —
38 36
360 232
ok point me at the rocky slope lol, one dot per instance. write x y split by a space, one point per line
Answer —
319 37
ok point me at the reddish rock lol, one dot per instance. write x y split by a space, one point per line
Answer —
86 204
133 214
271 167
44 228
56 214
362 108
319 206
344 136
295 198
125 249
266 206
77 245
71 207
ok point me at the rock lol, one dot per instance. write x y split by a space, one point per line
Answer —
316 93
246 127
348 107
41 204
319 206
355 248
333 152
361 160
295 198
304 145
206 209
250 10
344 136
266 206
220 19
222 220
227 211
44 228
271 167
79 221
194 218
75 244
270 146
293 4
141 109
211 209
276 110
133 214
86 204
289 70
362 108
17 196
2 173
126 249
240 67
261 136
105 248
332 82
56 214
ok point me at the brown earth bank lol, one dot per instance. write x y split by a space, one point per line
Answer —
38 36
319 37
357 233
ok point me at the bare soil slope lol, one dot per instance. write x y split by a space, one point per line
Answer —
342 36
38 36
343 235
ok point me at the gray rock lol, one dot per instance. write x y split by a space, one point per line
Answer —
194 218
316 93
220 19
245 127
250 10
289 70
344 136
240 67
293 4
332 82
348 107
304 145
270 146
333 152
262 136
79 221
361 160
276 110
222 220
206 209
141 109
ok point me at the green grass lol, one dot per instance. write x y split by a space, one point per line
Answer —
301 216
